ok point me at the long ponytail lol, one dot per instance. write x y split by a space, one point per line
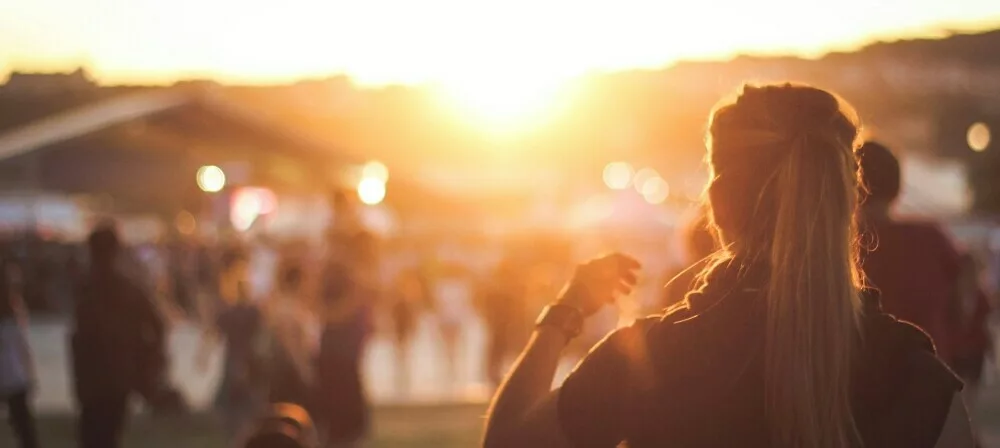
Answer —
802 224
812 301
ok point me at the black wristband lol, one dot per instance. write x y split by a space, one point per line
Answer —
565 318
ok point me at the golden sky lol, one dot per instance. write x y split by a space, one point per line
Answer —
447 41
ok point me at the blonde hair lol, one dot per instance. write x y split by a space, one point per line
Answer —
783 193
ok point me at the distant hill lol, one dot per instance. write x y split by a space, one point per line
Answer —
979 49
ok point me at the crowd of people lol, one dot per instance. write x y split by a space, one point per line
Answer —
803 315
292 322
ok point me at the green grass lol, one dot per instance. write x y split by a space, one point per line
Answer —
403 426
411 426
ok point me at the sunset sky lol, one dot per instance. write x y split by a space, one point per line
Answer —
446 41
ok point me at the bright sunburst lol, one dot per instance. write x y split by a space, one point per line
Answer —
504 103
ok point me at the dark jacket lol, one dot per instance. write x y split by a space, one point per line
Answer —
117 340
694 377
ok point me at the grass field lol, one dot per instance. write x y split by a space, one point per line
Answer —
403 426
416 426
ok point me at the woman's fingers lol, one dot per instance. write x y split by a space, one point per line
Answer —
620 267
623 288
597 282
630 278
625 262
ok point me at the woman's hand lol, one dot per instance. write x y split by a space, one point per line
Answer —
598 281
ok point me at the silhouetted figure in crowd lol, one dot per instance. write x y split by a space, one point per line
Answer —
295 341
347 294
117 344
408 299
778 346
17 368
916 268
35 272
452 292
239 324
179 272
503 307
699 245
972 338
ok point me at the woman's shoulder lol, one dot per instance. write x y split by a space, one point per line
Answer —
710 323
902 390
886 337
881 331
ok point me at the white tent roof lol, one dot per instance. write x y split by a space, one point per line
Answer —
86 119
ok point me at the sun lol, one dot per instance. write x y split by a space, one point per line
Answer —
504 103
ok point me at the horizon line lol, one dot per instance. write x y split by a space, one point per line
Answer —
936 32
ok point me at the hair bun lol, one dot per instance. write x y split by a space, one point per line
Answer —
792 110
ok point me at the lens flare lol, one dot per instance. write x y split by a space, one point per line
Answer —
186 223
978 137
371 191
655 190
641 176
376 170
211 179
618 175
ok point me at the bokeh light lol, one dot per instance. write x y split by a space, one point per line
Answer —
185 223
371 190
376 170
694 189
244 211
978 137
618 175
211 179
642 176
265 197
250 203
655 190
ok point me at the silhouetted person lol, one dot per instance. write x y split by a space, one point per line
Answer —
408 297
295 334
503 307
16 364
778 347
117 344
348 291
453 295
972 338
914 265
238 323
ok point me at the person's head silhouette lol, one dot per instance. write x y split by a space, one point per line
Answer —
783 195
880 176
104 246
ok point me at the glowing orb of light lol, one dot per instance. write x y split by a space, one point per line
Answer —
978 137
376 170
641 176
186 223
655 190
371 190
211 179
618 175
244 211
